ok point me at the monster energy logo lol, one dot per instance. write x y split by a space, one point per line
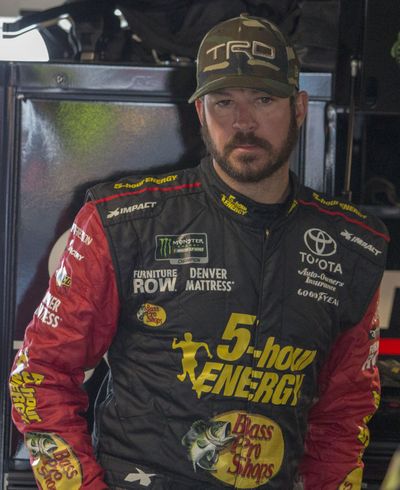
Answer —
188 248
165 246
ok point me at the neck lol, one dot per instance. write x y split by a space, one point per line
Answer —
271 190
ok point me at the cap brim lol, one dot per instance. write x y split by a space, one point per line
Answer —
273 87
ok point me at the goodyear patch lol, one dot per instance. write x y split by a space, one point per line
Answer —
152 315
54 464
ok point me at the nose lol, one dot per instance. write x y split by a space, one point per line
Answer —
244 119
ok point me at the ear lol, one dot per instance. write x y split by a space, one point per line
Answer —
199 104
301 106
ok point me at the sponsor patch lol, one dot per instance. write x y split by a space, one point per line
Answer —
146 180
188 248
234 205
342 205
46 312
152 315
74 252
131 209
353 480
319 242
322 264
62 277
275 378
144 479
318 296
320 280
22 390
237 448
372 356
154 281
54 464
350 237
208 279
82 235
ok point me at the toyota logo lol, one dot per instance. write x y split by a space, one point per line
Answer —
319 242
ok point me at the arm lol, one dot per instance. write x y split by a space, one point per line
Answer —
71 330
349 395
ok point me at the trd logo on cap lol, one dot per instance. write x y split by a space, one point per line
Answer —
251 49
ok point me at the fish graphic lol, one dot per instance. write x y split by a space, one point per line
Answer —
205 440
40 444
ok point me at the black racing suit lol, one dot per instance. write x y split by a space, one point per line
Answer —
242 351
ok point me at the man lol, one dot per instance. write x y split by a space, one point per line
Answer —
238 308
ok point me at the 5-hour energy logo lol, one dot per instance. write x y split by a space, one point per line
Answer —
276 376
23 393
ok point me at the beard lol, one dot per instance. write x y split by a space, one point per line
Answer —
249 169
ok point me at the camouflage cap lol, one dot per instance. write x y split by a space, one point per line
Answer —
248 52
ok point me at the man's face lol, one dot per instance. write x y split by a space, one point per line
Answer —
249 134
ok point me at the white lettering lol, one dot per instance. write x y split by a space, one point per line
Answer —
151 286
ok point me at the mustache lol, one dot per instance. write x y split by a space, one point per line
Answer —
240 138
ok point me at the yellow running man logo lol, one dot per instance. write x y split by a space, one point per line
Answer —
189 350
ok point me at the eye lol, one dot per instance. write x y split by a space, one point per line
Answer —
265 99
223 102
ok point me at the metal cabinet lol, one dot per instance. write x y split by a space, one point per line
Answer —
65 127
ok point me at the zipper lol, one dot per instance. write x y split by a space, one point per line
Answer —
254 338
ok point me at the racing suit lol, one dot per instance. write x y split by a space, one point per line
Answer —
241 354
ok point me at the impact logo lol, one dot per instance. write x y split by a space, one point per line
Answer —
359 241
151 315
131 209
188 248
240 449
319 242
54 463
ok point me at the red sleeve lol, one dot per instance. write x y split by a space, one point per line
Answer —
349 396
70 331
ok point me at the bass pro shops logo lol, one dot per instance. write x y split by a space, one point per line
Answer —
239 449
54 463
188 248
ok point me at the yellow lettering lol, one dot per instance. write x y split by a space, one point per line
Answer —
298 382
305 359
244 383
284 359
207 375
269 354
227 380
266 387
